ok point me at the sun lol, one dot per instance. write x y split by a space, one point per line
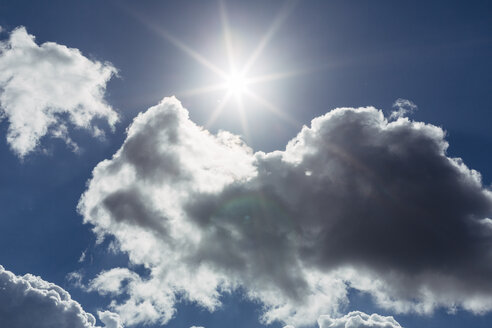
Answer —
236 83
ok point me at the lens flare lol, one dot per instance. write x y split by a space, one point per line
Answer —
236 80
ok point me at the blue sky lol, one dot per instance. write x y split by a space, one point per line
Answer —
431 60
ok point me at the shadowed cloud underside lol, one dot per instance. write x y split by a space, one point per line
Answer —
355 200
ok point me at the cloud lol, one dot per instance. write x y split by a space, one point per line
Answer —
358 319
354 201
82 256
110 319
46 88
29 301
402 107
111 282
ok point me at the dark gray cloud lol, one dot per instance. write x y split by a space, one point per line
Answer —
354 200
362 193
29 301
382 196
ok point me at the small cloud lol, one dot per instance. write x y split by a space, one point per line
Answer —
358 319
82 256
403 107
110 319
113 281
75 278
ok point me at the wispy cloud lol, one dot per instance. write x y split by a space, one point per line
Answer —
403 107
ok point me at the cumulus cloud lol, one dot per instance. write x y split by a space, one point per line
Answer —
45 89
358 319
29 301
354 201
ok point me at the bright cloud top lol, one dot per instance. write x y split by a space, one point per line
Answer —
29 301
358 319
355 200
46 88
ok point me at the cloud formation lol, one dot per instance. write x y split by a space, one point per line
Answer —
109 319
402 107
29 301
355 200
358 319
45 89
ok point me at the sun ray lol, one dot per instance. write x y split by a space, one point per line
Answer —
192 53
272 108
275 76
235 81
202 90
277 23
216 112
177 43
242 117
227 36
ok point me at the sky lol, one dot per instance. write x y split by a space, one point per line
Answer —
245 164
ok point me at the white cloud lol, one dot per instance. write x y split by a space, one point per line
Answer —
358 319
46 88
29 301
148 304
110 282
109 319
75 278
382 210
82 256
403 107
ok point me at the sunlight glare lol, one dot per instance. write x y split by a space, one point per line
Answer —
236 83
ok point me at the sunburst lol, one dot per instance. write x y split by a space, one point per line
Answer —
236 82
